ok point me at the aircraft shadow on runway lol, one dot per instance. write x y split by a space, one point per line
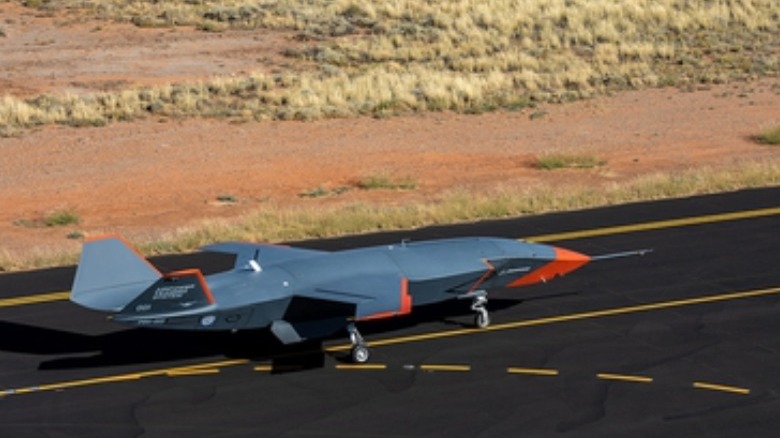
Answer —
140 346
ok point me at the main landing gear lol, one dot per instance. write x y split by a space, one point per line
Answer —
359 352
481 319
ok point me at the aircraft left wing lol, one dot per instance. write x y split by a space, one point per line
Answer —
322 311
374 296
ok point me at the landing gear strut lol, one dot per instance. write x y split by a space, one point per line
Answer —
481 319
359 352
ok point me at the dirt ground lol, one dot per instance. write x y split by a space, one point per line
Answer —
146 177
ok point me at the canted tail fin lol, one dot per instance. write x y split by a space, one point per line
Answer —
111 274
176 294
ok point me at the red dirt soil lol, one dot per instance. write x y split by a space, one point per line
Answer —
143 178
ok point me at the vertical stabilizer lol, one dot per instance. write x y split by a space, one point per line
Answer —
110 274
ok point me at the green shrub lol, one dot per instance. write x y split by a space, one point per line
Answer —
61 218
770 136
386 183
562 161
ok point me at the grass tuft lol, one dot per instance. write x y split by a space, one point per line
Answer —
769 136
227 199
61 218
76 235
562 161
386 183
322 191
57 218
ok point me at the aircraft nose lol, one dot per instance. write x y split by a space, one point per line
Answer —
563 262
567 260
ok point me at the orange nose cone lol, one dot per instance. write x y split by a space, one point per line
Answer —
567 261
564 262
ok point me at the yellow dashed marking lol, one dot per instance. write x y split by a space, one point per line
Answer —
214 368
362 367
533 371
447 368
723 388
625 377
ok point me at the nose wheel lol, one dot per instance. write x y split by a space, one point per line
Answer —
482 318
359 352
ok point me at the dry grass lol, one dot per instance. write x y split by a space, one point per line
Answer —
61 218
384 182
770 136
384 58
567 161
276 224
57 218
389 57
37 258
273 224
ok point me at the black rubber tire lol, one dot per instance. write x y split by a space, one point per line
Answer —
360 354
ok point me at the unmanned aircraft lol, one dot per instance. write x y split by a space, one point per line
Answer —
303 294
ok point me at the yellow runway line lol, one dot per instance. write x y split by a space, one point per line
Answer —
207 365
204 368
362 367
82 382
34 299
533 371
446 368
656 225
192 372
722 388
625 377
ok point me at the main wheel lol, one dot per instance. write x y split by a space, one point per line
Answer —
360 354
482 319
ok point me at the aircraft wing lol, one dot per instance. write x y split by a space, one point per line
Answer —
323 310
262 254
374 296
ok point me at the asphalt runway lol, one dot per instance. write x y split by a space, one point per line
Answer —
684 341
